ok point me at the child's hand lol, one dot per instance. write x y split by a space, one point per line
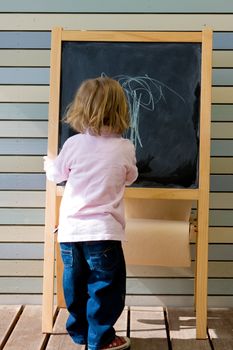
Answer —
47 162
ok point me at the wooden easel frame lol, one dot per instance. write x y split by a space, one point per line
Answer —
201 194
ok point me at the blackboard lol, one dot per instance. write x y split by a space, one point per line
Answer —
162 83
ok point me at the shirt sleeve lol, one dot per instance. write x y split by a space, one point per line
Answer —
57 170
132 171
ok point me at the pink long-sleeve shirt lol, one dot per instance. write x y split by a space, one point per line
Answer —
96 168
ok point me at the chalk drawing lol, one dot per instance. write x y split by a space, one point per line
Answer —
142 92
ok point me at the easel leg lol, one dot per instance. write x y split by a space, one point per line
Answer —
201 272
194 229
49 259
59 267
48 284
59 274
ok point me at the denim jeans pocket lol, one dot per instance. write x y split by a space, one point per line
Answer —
67 254
104 255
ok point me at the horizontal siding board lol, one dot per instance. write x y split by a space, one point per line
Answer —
223 41
21 164
41 58
36 129
135 286
23 251
34 251
220 269
42 40
223 58
27 76
22 199
39 111
221 252
24 299
24 129
33 58
21 233
222 112
32 164
32 285
22 216
21 93
221 200
222 77
215 269
176 286
119 6
218 183
221 218
222 130
24 93
221 165
32 268
25 40
125 21
221 234
21 268
131 300
23 146
222 94
40 76
24 111
36 234
175 301
221 183
28 58
40 129
22 181
222 148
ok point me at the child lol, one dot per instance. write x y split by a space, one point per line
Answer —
97 164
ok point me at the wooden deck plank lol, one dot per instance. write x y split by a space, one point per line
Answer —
220 325
60 339
27 333
182 330
148 329
9 315
122 322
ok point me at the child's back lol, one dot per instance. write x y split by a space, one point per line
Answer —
97 169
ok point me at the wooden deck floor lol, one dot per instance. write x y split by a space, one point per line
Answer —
150 328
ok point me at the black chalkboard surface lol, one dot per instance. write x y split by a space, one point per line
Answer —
162 84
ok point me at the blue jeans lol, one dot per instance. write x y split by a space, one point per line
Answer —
94 283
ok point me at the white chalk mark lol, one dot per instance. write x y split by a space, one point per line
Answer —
145 92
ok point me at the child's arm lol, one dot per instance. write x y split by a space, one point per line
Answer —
57 170
132 171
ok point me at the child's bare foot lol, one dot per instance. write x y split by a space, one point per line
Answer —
118 343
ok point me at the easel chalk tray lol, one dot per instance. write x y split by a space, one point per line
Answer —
167 80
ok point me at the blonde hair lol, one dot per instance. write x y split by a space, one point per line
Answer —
99 104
